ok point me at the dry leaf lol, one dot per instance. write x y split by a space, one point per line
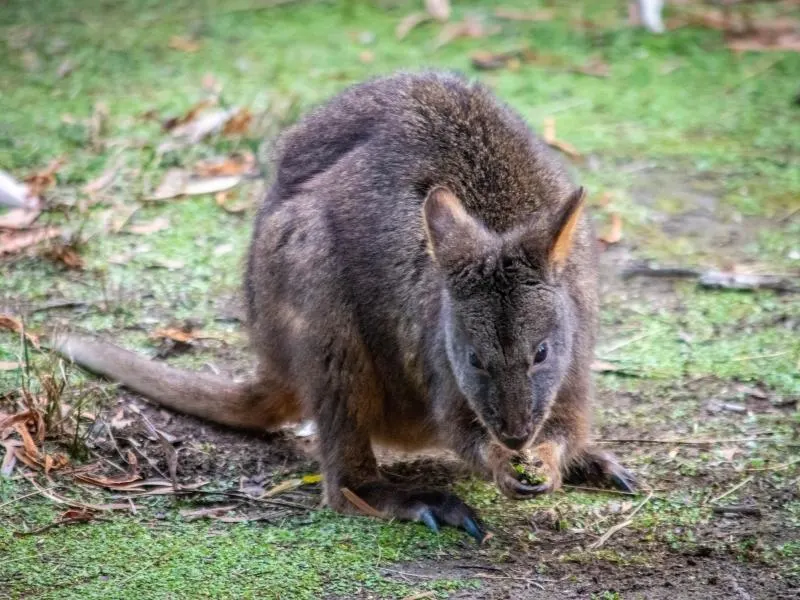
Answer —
157 224
187 117
197 187
66 254
27 441
237 164
596 67
367 57
113 483
206 513
438 9
614 232
238 123
223 201
41 181
184 44
119 421
408 23
11 324
7 422
171 185
521 15
12 242
488 61
549 135
470 27
19 218
788 42
282 487
101 182
175 334
196 130
360 504
9 365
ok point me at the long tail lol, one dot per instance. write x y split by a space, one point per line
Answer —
251 405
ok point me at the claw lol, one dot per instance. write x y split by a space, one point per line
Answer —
475 530
426 516
527 490
542 488
624 482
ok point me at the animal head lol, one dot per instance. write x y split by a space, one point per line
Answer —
508 319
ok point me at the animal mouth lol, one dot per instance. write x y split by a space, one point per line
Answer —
515 443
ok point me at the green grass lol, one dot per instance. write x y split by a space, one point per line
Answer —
679 118
164 556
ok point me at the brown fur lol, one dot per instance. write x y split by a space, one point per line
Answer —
418 252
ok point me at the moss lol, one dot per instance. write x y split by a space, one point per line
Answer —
147 556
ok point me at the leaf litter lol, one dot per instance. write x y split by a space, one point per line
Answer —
14 325
613 233
549 135
184 44
158 224
746 34
17 231
469 27
512 14
179 182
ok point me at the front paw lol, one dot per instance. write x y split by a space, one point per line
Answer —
598 467
431 507
520 476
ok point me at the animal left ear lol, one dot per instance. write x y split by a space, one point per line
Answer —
566 226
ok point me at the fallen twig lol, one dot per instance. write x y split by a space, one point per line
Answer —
48 493
739 485
717 279
18 498
681 442
236 495
619 526
85 517
56 304
584 488
748 511
360 504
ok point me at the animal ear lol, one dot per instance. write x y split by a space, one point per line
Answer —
566 226
455 238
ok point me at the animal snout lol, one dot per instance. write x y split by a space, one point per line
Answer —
516 439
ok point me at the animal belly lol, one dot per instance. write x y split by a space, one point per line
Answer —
406 433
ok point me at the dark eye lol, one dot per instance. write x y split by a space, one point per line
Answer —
474 361
541 353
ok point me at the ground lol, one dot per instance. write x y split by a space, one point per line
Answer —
693 147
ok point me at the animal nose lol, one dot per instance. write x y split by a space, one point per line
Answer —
514 442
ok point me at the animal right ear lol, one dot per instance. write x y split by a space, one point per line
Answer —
565 230
455 237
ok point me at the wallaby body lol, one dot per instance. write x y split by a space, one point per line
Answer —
420 274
